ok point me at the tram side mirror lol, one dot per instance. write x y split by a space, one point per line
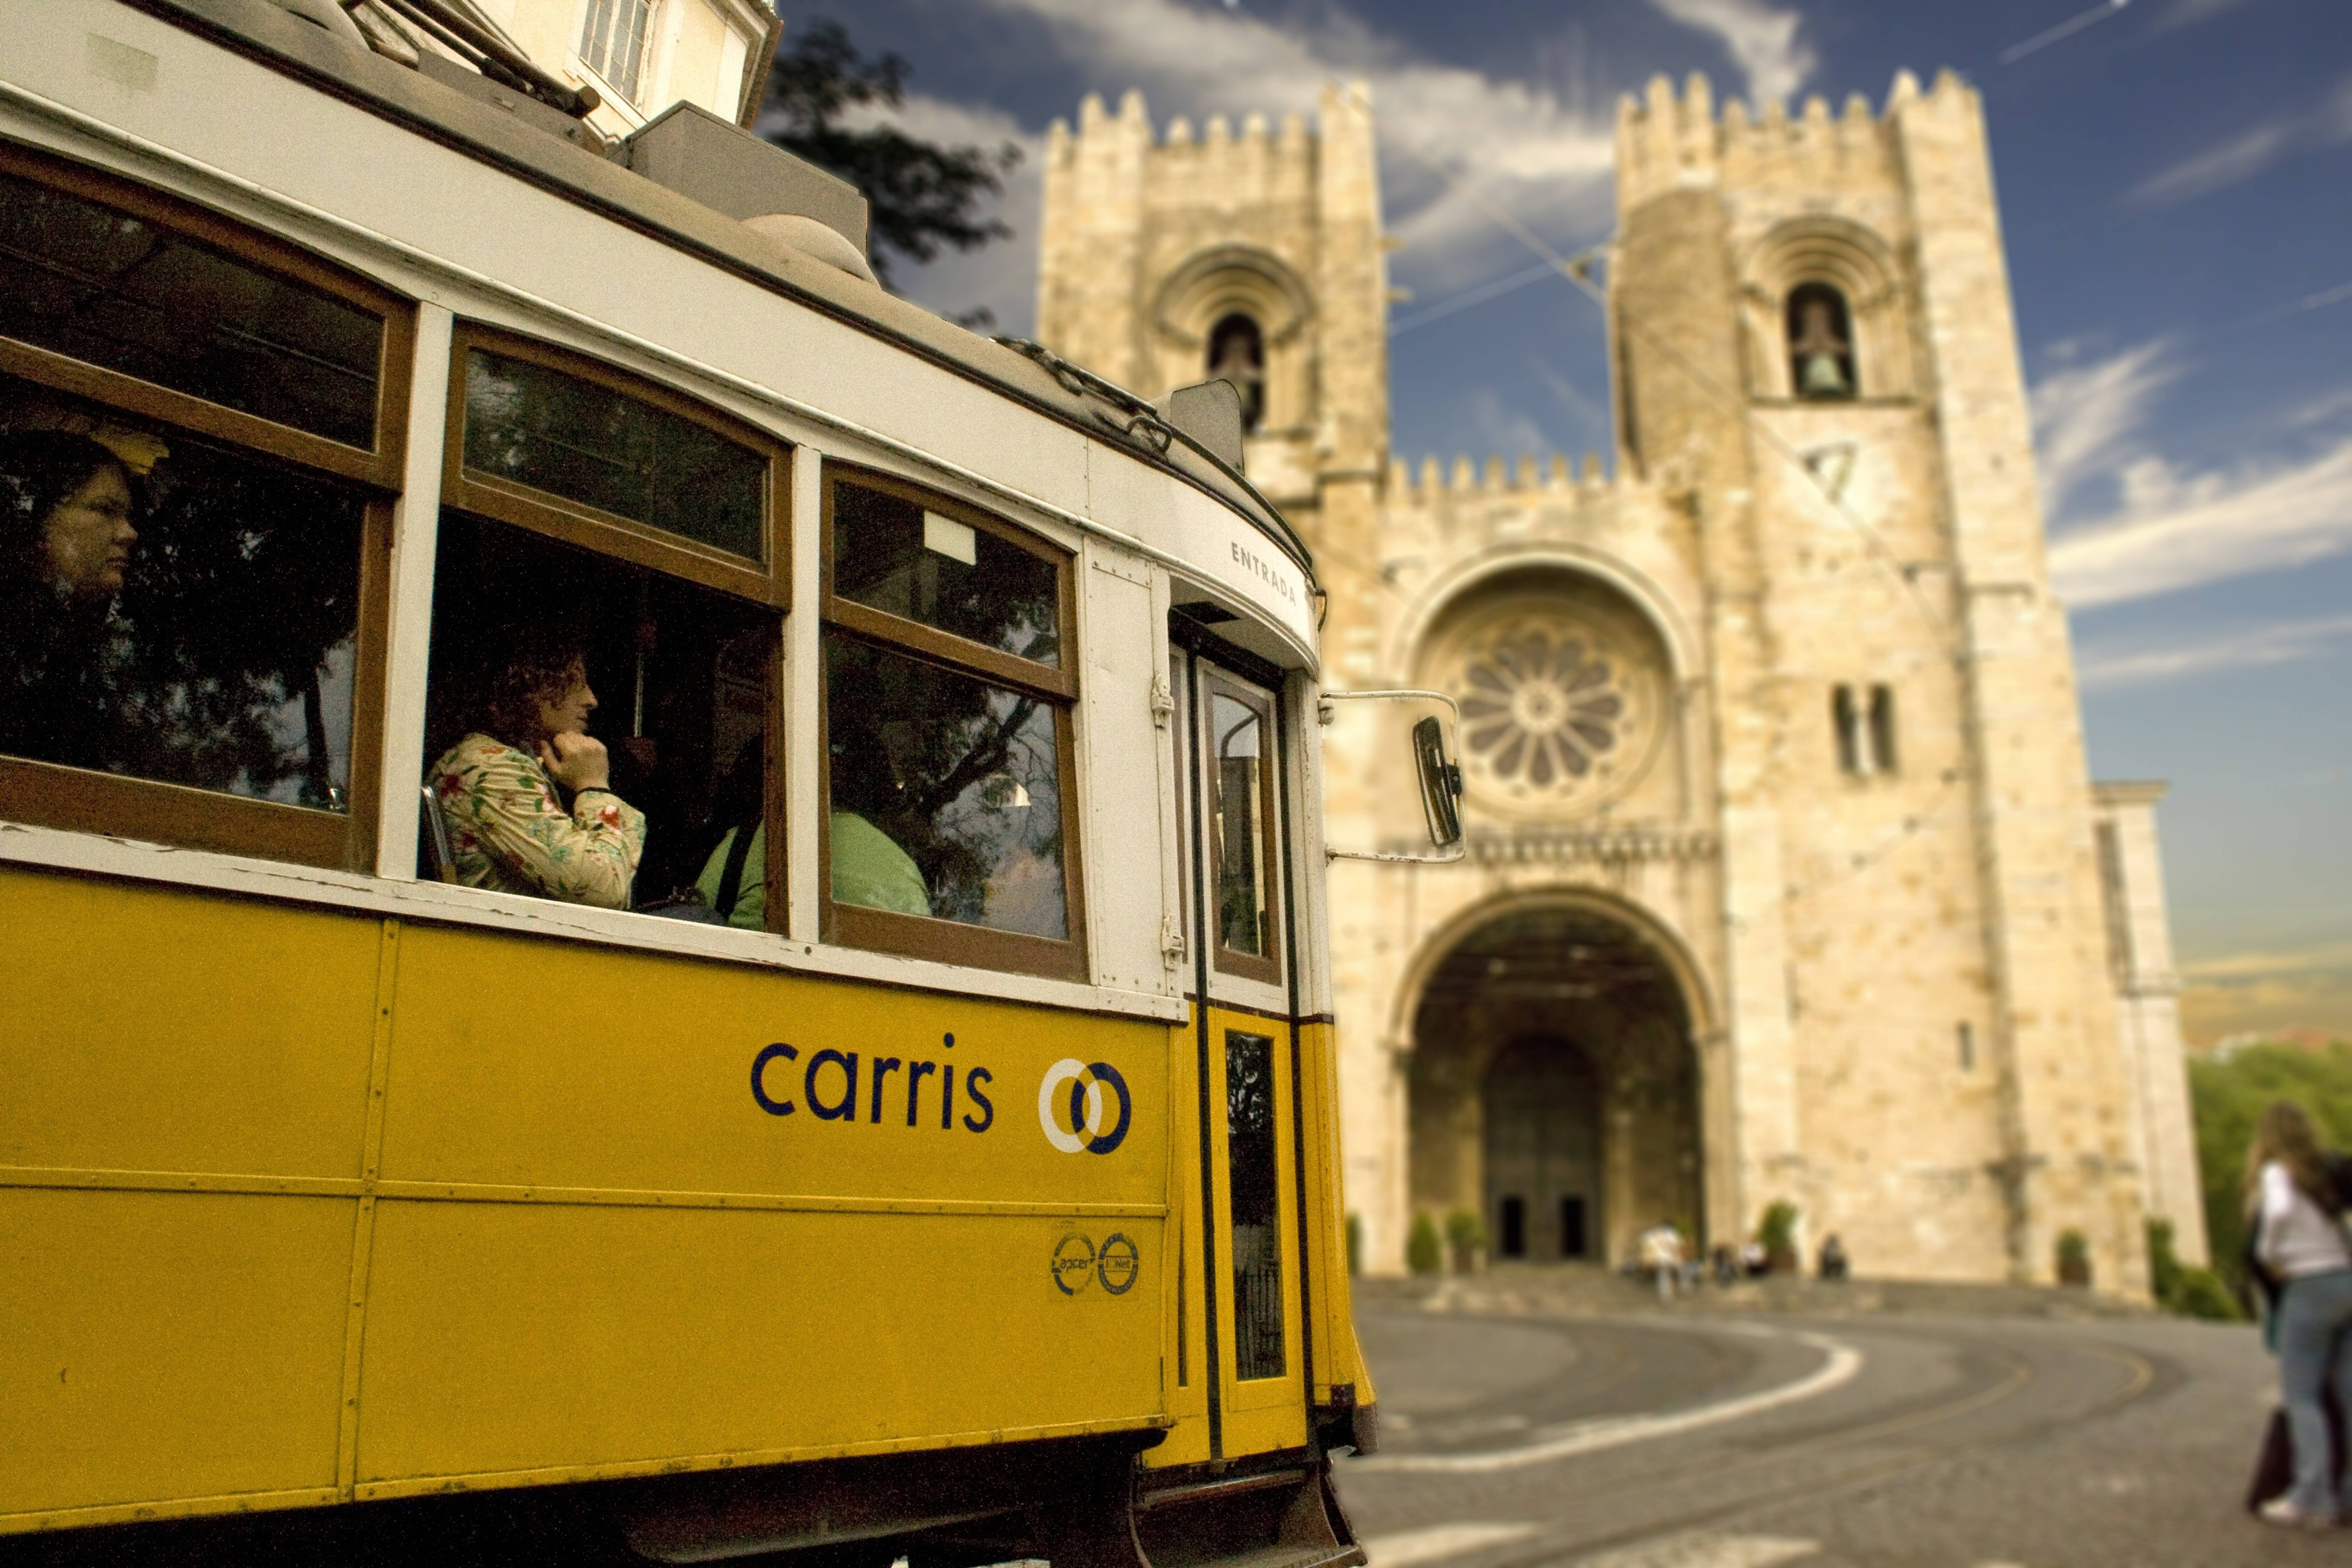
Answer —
1440 783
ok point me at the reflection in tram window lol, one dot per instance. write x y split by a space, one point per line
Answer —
1237 739
1252 1179
532 424
946 793
102 285
893 554
671 682
171 609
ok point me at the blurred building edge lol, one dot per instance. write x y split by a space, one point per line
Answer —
640 58
1786 879
2147 1006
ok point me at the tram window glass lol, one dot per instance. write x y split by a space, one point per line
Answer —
954 572
1242 785
177 611
200 436
949 832
106 286
589 442
1251 1178
679 678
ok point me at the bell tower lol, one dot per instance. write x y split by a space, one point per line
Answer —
1252 255
1816 364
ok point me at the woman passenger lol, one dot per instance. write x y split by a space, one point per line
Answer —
503 789
66 510
2299 1241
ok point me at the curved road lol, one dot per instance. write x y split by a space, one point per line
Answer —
1702 1441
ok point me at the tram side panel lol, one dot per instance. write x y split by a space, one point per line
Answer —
929 1218
183 1086
593 1249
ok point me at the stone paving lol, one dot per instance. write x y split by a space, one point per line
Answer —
2039 1430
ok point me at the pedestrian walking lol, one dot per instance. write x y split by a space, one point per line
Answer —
1661 1256
2299 1243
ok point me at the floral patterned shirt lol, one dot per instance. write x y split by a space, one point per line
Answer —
508 830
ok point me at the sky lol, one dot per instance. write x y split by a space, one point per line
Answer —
2176 185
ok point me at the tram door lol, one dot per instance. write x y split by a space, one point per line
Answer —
1230 732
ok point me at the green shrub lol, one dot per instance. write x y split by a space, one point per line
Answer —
1421 1246
1776 1232
2182 1290
2074 1259
1355 1244
2200 1294
1463 1231
2163 1263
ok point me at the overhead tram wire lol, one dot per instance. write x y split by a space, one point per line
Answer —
1577 270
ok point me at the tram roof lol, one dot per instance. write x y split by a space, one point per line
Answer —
265 32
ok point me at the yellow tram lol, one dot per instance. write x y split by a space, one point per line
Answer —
962 1185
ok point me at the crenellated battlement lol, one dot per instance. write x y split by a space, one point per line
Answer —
1466 480
1666 141
1214 151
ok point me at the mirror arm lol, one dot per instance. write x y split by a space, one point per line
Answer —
1456 852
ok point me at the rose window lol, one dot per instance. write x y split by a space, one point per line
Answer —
1559 706
1541 708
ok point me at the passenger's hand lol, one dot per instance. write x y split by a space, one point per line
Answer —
576 762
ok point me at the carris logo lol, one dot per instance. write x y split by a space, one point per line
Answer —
1075 1121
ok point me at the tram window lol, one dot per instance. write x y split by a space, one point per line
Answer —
107 287
1253 1176
948 833
677 688
1242 781
612 555
533 425
200 433
955 572
175 611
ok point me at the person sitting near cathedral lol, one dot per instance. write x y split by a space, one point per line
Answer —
526 795
1834 1263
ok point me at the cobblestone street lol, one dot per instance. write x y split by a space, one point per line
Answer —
1521 1430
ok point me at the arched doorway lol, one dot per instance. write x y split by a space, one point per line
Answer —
1555 1089
1540 1143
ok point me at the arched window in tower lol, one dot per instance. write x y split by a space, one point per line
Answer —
1820 343
1237 353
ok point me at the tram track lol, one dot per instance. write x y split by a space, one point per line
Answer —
2017 1375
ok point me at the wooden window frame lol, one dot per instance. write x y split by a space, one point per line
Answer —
921 936
767 581
380 466
615 537
1267 967
83 800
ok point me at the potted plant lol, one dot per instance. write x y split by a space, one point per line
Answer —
1465 1237
1420 1249
2074 1259
1777 1233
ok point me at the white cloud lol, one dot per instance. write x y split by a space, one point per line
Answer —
2188 13
1001 276
2280 644
2083 414
1762 40
2249 151
1545 156
2205 528
1505 431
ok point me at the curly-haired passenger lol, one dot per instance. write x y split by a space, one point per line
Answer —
503 789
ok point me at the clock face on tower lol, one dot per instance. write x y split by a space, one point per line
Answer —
1560 699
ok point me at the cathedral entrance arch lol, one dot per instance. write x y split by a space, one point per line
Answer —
1554 1084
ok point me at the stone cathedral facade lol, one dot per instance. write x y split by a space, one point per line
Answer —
1785 878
